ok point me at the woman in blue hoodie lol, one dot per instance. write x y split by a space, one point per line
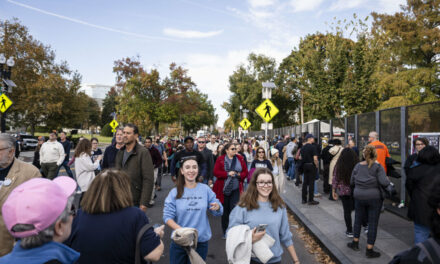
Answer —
186 206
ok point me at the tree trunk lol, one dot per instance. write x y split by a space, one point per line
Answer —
156 127
32 129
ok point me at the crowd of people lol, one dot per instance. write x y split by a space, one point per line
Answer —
237 180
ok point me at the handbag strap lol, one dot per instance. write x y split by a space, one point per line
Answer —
431 250
137 257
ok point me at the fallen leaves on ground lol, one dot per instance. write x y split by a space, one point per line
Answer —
311 244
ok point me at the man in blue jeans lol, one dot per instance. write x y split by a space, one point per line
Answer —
290 152
66 145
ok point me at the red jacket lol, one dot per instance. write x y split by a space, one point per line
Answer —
222 175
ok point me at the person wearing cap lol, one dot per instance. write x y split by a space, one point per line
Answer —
291 149
186 152
277 171
51 156
13 172
135 160
46 223
309 156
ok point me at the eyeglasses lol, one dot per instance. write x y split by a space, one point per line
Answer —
232 149
72 210
260 152
420 144
202 142
262 184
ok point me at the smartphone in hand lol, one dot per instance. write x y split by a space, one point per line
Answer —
261 227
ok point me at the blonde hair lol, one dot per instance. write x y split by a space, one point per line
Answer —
370 155
108 192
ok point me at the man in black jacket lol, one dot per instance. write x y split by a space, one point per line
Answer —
208 161
111 151
157 162
326 159
309 157
187 152
135 160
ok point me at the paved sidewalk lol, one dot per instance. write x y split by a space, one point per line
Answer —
326 222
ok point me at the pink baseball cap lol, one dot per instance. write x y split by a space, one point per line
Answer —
38 202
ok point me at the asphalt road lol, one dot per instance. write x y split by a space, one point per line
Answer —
216 251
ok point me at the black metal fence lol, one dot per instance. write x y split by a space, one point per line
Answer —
394 125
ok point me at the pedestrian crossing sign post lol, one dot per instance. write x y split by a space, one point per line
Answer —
114 124
267 110
5 103
245 123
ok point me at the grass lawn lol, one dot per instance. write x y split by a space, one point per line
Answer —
88 136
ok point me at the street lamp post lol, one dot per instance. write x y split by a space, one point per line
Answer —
5 82
267 94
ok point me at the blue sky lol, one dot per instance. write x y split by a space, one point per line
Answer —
210 38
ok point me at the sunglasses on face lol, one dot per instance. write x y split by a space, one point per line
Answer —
232 149
259 152
202 142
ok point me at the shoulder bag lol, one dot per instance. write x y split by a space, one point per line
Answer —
385 192
138 259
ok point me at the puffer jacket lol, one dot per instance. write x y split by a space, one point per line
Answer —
335 151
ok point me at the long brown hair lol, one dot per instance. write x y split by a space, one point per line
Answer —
84 146
256 153
370 155
108 192
181 178
250 197
345 164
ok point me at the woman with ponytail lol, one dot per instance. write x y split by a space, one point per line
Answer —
367 177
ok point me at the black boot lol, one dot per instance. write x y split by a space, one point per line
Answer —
370 253
353 245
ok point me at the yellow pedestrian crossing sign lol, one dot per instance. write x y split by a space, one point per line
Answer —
5 103
267 110
114 124
245 123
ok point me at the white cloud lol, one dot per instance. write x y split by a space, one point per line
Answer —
390 6
261 3
190 34
88 24
346 4
305 5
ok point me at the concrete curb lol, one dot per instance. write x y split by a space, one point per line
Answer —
326 243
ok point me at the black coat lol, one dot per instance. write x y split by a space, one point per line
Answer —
418 183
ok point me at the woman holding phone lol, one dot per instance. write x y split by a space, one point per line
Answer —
186 206
263 210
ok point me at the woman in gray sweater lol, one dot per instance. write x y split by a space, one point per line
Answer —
367 177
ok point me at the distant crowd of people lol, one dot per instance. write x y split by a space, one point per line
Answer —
98 214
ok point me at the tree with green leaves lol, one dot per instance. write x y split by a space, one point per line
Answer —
245 85
47 92
409 67
109 106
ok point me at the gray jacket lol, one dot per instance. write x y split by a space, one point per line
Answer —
366 181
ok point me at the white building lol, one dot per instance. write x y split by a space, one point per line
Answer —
96 91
